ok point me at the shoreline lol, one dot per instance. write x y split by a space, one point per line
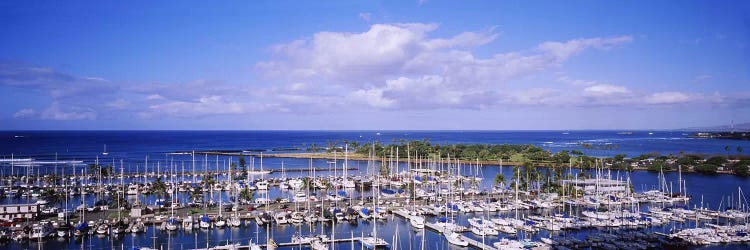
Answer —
360 157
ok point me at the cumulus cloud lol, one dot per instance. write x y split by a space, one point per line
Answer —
373 66
426 92
348 57
399 66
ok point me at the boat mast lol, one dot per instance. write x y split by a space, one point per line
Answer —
122 184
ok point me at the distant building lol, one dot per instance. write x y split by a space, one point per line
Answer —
12 211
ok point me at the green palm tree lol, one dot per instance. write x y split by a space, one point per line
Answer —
208 181
197 194
52 196
499 178
246 194
159 188
113 202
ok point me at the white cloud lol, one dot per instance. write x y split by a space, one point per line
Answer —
440 72
535 97
204 106
463 40
24 113
366 16
605 90
576 82
668 98
564 50
349 56
372 97
388 66
188 91
426 92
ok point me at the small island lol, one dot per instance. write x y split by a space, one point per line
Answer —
723 135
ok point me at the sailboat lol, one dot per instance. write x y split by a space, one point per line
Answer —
220 222
205 221
63 230
187 223
172 222
234 219
346 183
119 226
105 150
82 227
263 184
415 219
372 242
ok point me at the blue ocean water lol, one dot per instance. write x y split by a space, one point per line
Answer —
134 145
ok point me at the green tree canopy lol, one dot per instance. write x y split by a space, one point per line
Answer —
706 169
741 168
499 178
717 160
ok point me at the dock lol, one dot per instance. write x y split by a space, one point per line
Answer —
335 241
434 227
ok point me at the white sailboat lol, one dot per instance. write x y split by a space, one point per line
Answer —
346 182
372 242
263 184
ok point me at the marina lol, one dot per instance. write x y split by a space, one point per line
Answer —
186 201
393 125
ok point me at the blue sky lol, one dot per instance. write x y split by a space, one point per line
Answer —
374 64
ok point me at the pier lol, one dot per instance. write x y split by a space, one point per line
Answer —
434 227
328 241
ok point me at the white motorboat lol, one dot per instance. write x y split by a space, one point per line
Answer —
456 239
416 221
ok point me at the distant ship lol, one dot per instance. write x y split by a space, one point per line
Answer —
625 133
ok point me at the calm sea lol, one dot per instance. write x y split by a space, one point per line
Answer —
134 145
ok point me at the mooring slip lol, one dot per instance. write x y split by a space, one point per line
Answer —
439 229
329 241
